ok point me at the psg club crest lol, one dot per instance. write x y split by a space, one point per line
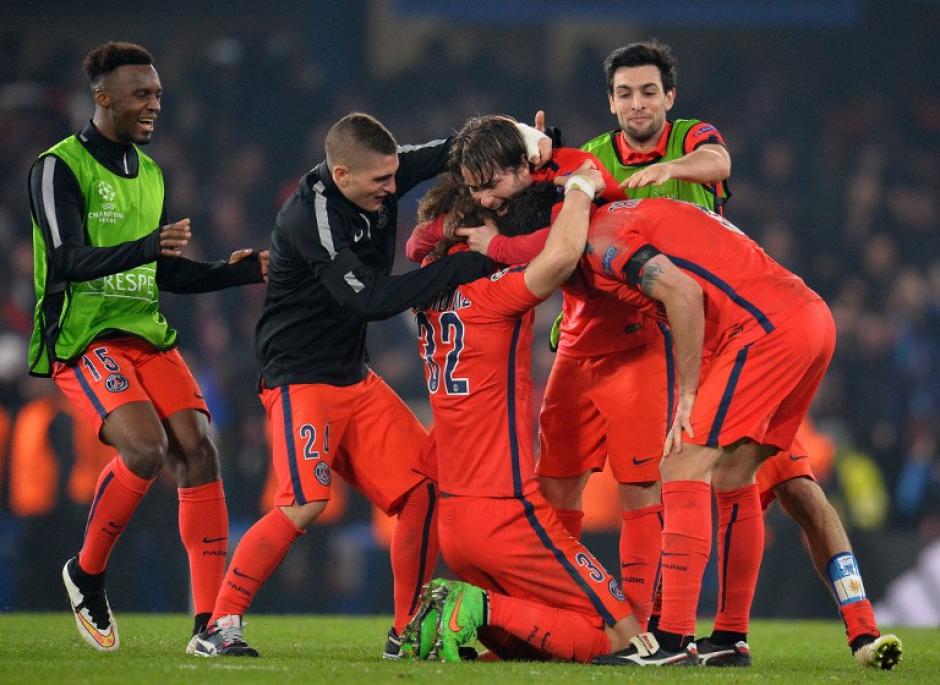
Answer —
322 472
116 383
615 590
382 220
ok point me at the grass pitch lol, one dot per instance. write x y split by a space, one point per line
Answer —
44 648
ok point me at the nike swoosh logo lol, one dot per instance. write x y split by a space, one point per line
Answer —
632 563
243 575
637 462
207 541
793 457
452 624
106 640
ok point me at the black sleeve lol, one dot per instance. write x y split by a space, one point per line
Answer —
417 163
57 206
372 297
182 276
636 263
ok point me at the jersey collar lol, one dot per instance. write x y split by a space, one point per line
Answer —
629 157
119 158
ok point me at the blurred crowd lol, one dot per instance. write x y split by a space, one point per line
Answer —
836 172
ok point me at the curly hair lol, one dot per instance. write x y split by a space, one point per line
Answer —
451 197
530 210
109 56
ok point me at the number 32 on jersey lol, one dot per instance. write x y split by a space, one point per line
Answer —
449 335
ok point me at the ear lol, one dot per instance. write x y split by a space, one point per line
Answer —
524 171
670 99
102 98
610 100
340 174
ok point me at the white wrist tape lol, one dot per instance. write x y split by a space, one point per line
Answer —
531 137
582 183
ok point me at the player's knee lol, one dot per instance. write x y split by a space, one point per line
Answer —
303 515
684 466
198 462
562 493
145 454
639 495
729 475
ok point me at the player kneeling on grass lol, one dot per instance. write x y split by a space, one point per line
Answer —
536 592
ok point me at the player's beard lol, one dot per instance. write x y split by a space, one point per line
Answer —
644 135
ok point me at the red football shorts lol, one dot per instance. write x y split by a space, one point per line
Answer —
362 431
116 371
518 547
615 407
762 390
783 466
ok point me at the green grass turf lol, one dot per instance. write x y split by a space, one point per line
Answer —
44 648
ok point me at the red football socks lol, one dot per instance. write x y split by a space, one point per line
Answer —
560 633
641 539
859 620
259 553
571 519
203 521
740 550
687 537
414 550
117 495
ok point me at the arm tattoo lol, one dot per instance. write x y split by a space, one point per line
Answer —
651 272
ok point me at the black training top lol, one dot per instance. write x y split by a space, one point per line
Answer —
329 275
75 260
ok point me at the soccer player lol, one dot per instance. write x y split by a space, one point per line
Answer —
602 383
686 159
103 250
650 156
760 371
528 581
331 254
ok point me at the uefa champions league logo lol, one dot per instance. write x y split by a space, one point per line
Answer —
106 191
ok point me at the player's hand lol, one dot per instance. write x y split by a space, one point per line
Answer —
681 423
538 146
589 171
174 237
540 120
244 253
478 237
653 175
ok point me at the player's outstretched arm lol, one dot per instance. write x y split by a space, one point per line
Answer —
682 297
565 244
372 297
710 163
184 276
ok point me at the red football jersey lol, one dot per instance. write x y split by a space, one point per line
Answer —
477 349
746 293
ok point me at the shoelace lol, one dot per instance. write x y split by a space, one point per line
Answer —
232 635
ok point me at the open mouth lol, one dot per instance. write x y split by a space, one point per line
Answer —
146 123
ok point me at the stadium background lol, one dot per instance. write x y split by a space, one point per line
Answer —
831 111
